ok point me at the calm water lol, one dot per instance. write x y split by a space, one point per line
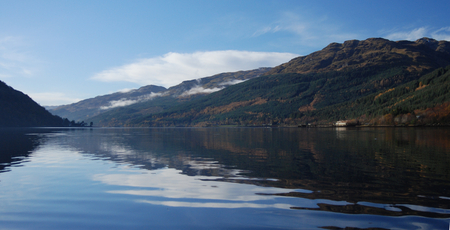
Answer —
225 178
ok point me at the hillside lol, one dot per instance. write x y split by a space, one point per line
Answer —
150 99
342 81
19 110
419 102
85 109
421 55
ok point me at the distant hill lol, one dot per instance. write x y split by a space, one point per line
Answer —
19 110
88 108
374 81
150 99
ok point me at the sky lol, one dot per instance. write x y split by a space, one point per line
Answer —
59 52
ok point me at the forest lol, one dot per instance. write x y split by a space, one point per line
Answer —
387 97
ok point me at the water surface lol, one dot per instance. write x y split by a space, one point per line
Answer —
225 178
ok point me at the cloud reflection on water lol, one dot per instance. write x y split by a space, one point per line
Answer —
165 185
215 205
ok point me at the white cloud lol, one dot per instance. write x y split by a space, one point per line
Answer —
119 103
267 29
442 34
173 68
408 35
4 75
14 60
289 22
316 30
127 101
52 98
232 82
200 89
126 90
414 34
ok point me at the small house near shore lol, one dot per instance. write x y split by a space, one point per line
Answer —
341 123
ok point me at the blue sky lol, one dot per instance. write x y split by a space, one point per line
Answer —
59 52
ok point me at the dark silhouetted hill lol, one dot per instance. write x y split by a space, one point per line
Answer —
19 110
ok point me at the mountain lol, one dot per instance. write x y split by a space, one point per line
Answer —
374 81
90 107
423 101
150 99
19 110
214 83
423 54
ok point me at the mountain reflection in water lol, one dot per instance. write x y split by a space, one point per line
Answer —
15 146
386 166
388 172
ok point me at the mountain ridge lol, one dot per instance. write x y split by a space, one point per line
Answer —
185 91
87 108
292 93
380 51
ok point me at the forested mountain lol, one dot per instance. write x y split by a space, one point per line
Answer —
374 81
419 102
150 99
19 110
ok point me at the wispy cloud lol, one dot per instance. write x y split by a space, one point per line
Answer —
312 28
2 76
52 98
126 90
119 103
417 33
200 90
268 29
441 34
289 22
14 60
173 68
129 101
408 35
232 82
